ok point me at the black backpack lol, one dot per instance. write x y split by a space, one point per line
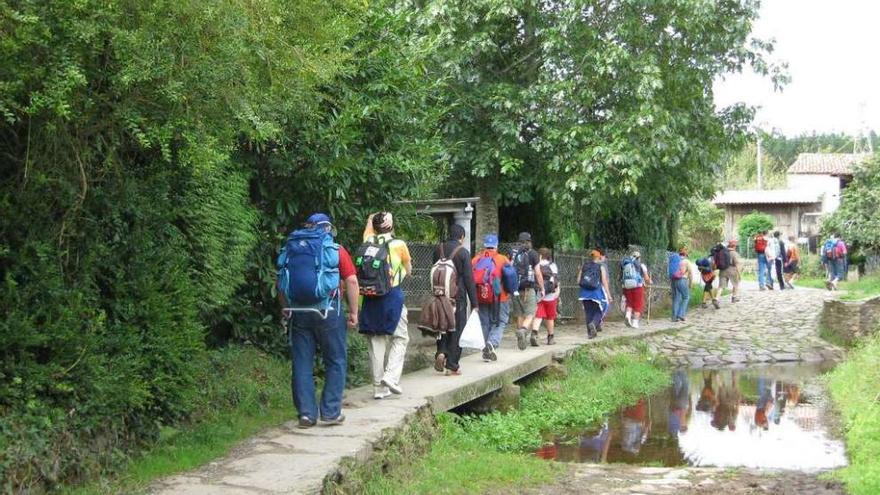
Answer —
524 271
373 262
721 257
551 281
591 276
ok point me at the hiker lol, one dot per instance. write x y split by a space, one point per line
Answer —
310 292
764 277
680 404
492 295
382 263
594 292
634 278
547 305
792 260
777 247
681 279
531 286
833 259
448 350
706 267
731 275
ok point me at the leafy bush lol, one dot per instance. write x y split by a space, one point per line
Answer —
754 223
701 225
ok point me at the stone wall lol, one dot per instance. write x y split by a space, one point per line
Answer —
851 320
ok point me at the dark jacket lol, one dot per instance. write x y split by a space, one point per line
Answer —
463 269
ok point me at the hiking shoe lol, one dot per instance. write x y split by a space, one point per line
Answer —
380 393
591 331
716 304
734 299
769 287
489 353
704 305
521 339
533 339
551 339
762 288
440 362
453 372
627 320
393 387
338 420
306 422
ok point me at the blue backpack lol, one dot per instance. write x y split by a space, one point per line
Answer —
829 249
510 278
631 273
308 270
675 267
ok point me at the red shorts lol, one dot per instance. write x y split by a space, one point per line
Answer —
547 310
635 299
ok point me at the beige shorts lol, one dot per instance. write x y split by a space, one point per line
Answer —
524 305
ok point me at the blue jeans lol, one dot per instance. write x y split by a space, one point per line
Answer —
308 332
494 325
681 296
838 268
764 277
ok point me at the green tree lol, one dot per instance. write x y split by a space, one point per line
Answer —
858 219
701 225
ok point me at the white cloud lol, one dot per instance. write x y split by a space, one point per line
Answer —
831 51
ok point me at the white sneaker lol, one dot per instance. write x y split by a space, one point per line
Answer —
380 393
393 387
628 321
635 324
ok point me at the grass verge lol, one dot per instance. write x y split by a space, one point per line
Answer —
476 453
244 392
855 388
863 288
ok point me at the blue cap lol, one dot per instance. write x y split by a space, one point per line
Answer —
318 218
490 241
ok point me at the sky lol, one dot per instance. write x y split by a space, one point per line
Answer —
828 46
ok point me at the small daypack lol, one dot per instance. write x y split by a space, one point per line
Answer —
551 280
591 276
373 263
444 276
675 271
487 279
840 249
525 272
721 257
830 250
760 244
509 278
308 269
631 272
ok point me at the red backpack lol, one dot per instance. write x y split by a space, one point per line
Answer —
760 244
487 277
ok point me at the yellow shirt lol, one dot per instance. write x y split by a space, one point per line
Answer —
398 254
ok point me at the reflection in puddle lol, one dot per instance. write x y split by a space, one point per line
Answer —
758 418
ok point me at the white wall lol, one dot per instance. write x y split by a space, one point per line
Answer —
827 185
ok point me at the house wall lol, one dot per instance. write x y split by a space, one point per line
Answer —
827 185
788 219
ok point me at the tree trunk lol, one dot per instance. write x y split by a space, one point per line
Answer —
487 214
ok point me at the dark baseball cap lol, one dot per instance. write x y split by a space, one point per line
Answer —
525 236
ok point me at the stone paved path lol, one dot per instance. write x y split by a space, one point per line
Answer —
763 327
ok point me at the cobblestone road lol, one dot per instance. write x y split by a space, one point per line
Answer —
763 327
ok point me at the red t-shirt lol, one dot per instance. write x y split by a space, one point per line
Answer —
346 266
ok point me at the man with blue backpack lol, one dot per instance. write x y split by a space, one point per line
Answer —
313 274
531 281
495 280
834 260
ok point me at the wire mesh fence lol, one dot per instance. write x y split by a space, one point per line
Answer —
417 286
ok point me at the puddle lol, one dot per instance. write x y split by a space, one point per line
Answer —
770 417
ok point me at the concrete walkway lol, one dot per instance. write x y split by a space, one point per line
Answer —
287 460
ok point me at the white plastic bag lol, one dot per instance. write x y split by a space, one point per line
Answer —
472 335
